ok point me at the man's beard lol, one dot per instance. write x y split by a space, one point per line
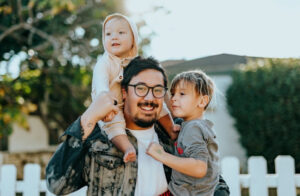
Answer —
143 122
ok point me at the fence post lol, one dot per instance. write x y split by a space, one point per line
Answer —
32 177
258 171
231 171
285 169
8 180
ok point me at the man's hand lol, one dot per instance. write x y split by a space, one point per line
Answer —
102 106
109 116
156 151
176 128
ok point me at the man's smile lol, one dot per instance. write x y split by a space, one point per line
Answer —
146 106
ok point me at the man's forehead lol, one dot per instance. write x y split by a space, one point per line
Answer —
150 77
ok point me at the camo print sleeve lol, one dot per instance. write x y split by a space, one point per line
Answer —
64 172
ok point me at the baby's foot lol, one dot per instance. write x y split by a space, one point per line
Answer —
130 155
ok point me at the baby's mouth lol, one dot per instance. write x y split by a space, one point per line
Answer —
115 44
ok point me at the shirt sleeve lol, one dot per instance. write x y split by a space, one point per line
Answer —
195 144
64 172
100 81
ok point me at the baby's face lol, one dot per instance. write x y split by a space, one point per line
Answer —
118 37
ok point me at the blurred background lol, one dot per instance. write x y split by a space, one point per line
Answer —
250 48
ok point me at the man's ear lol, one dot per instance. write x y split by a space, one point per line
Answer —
203 101
124 93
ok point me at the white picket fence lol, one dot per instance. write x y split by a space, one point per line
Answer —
257 179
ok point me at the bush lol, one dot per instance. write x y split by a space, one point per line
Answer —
264 99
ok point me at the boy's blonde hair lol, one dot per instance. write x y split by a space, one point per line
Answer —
203 84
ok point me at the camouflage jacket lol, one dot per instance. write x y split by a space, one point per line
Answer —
95 163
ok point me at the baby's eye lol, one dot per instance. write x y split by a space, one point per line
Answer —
182 94
107 34
121 32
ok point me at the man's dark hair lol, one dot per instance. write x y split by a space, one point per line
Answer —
139 64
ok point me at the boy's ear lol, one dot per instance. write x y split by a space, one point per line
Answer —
203 101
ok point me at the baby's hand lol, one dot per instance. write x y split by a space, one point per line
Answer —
156 151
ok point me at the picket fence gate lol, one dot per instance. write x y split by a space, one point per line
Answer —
257 180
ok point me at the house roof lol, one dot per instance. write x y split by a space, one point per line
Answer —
216 64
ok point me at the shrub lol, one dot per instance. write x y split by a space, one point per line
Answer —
264 99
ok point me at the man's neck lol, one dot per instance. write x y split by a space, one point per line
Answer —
136 127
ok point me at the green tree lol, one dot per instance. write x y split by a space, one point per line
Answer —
264 99
58 42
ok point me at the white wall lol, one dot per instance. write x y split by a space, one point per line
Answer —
227 135
36 139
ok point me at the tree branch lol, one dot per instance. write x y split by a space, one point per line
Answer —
26 26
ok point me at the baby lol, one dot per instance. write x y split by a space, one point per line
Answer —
120 39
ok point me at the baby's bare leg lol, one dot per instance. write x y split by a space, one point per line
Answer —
123 144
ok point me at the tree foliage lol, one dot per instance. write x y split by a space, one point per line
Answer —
264 99
57 42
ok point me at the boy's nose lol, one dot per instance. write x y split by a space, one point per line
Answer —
173 98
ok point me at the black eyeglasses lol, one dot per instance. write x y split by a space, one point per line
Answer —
142 90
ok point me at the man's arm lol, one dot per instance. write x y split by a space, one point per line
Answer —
64 172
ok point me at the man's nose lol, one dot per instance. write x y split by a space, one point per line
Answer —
149 96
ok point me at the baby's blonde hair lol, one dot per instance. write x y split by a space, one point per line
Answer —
203 84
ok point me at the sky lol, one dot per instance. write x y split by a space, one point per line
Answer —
189 29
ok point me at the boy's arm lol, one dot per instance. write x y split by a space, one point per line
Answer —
188 166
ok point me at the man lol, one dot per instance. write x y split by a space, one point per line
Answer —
95 162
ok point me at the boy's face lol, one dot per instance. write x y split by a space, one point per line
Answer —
118 38
185 102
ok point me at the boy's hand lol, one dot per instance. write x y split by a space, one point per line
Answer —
156 151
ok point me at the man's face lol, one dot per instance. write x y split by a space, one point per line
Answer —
142 112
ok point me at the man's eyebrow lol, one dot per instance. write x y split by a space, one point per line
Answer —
140 83
148 85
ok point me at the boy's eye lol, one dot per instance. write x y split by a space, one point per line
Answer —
182 94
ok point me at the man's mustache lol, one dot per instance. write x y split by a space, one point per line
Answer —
151 104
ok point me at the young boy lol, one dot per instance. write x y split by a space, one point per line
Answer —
120 39
195 164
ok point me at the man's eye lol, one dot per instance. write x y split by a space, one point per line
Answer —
158 90
140 88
